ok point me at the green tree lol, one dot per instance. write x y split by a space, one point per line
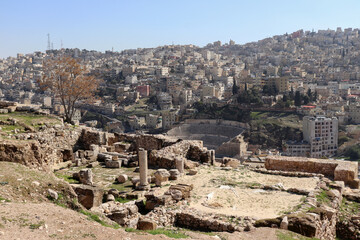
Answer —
297 99
291 94
306 99
285 98
235 88
309 94
315 97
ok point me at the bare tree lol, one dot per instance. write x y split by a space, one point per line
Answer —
68 80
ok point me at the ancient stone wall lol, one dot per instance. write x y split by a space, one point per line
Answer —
166 157
236 147
43 149
89 137
146 141
336 169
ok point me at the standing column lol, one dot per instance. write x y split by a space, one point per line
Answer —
180 165
212 157
143 166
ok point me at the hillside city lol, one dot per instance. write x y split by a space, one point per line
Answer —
153 89
227 141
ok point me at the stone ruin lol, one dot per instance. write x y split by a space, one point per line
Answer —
335 169
171 157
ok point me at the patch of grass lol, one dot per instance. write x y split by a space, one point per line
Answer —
4 199
9 128
36 225
348 208
96 218
67 178
172 233
295 208
85 235
322 197
291 236
60 201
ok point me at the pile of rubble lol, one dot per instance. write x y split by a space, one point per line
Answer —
125 214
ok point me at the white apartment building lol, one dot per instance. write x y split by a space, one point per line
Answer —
320 138
208 91
322 134
169 118
354 113
151 121
162 71
131 79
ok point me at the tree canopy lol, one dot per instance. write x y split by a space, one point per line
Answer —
69 81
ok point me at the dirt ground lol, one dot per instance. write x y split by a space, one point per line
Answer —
43 221
26 213
219 191
229 192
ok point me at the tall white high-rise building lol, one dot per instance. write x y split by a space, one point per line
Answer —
322 135
320 138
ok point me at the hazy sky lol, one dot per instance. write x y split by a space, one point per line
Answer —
101 25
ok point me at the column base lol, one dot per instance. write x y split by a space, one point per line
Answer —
143 187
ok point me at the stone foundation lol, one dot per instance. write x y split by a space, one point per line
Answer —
335 169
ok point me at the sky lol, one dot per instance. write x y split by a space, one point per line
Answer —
127 24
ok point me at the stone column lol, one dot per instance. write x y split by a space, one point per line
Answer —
212 157
180 165
143 166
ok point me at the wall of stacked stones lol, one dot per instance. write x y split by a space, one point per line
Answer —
326 169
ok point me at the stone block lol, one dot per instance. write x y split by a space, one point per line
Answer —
161 175
86 176
89 196
146 225
112 164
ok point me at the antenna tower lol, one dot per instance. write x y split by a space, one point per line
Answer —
48 43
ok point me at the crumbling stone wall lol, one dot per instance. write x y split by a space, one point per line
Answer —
89 137
236 148
145 141
27 153
43 149
189 149
336 169
194 220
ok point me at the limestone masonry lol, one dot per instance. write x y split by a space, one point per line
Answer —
336 169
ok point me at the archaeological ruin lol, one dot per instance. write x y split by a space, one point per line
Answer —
149 181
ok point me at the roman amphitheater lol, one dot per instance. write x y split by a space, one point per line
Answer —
221 135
